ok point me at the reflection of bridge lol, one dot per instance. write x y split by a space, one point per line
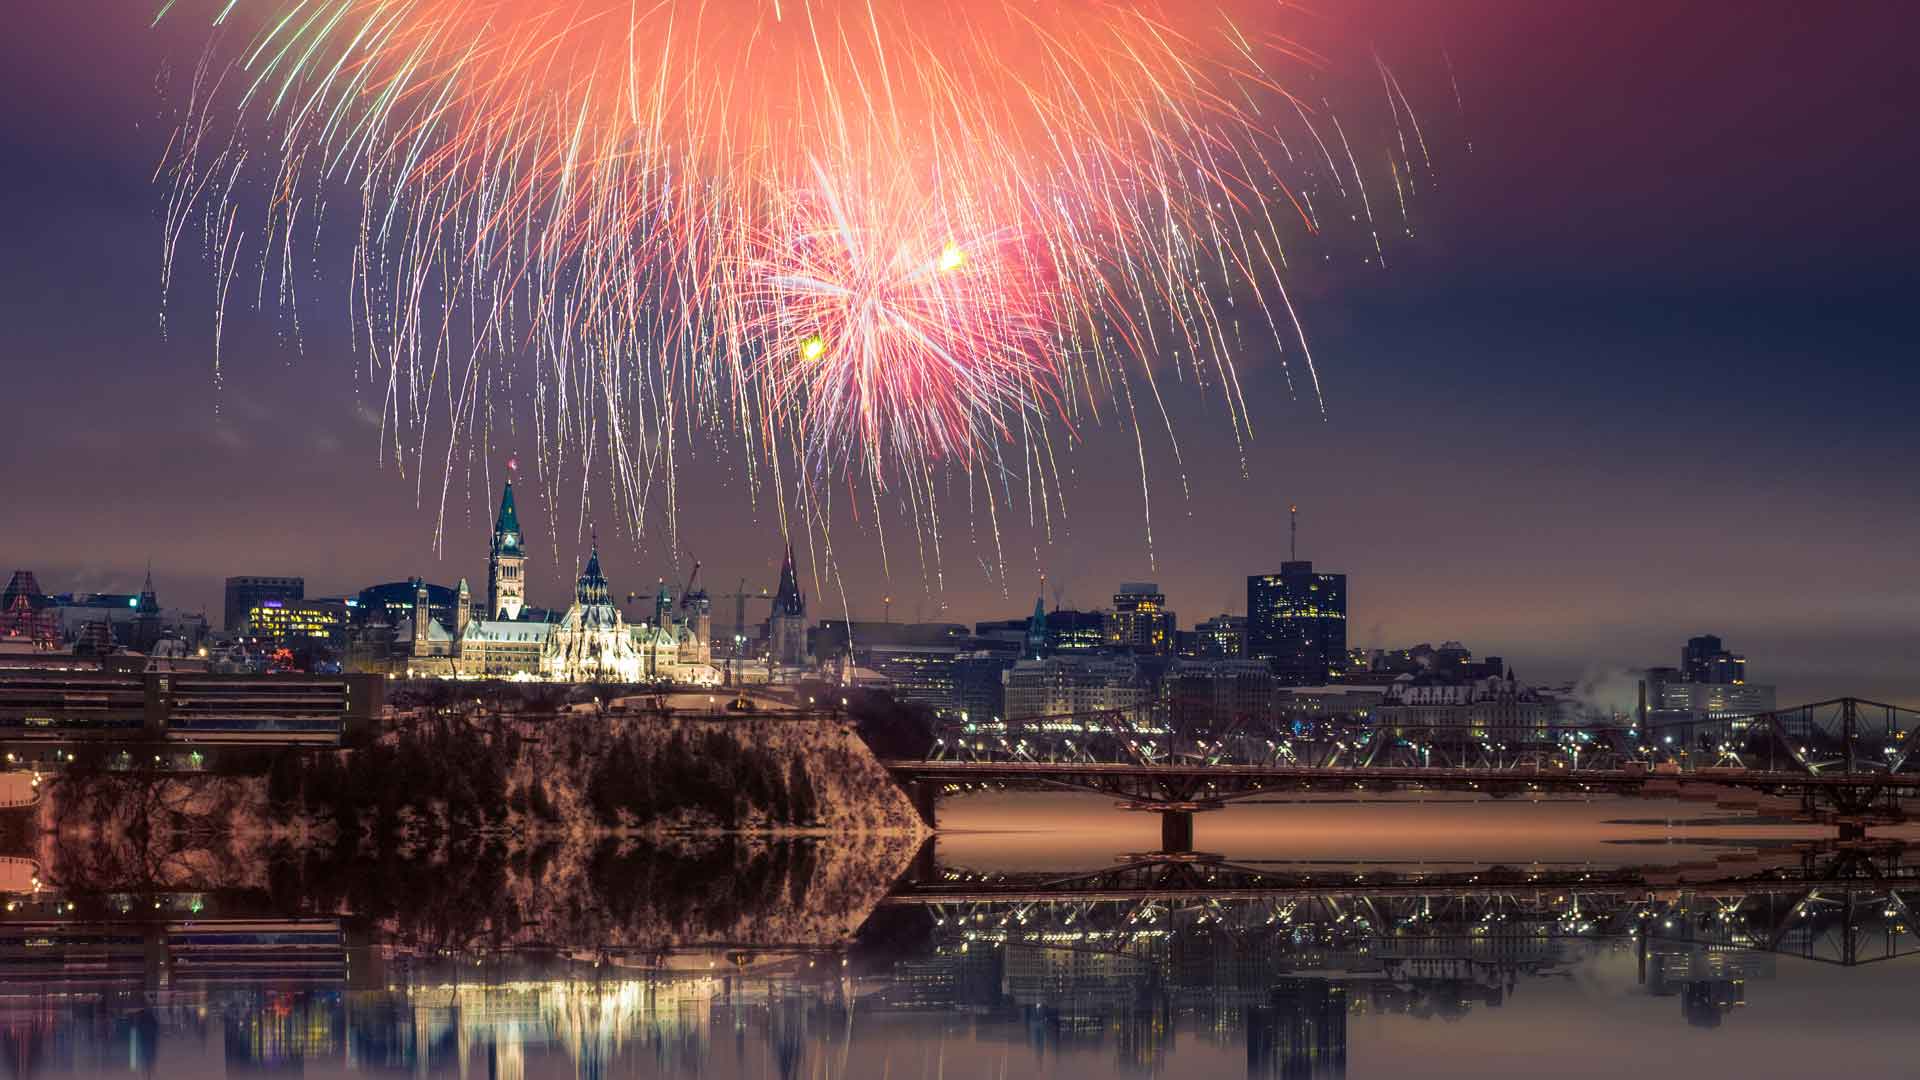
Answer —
1846 761
1849 905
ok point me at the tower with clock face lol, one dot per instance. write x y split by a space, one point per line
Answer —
507 562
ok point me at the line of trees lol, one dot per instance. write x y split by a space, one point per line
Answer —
715 775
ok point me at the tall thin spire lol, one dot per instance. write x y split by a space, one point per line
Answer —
1293 533
149 604
788 599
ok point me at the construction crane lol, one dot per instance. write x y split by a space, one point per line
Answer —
740 596
688 596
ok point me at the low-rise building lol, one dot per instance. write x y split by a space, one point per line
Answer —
1437 706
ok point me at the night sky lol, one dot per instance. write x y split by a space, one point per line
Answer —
1646 370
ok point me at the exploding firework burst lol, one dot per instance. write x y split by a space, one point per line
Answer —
864 240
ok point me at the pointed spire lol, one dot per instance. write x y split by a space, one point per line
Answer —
1037 626
506 526
149 604
592 588
789 600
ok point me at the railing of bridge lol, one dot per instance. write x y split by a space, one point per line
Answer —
1842 736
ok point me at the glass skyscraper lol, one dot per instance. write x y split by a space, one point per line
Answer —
1297 623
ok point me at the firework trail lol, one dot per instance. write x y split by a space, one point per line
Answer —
869 246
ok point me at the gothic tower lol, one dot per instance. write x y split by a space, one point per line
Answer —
506 563
462 610
146 632
787 625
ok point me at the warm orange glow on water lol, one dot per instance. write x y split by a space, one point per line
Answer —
1047 830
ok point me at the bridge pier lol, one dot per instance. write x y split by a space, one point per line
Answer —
925 795
1176 831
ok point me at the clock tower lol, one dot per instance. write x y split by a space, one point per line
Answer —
507 562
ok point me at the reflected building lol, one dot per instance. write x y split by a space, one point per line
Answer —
1300 1033
1709 981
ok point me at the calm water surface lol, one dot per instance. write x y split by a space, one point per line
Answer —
1326 939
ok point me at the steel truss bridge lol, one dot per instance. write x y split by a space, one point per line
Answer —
1845 761
1851 905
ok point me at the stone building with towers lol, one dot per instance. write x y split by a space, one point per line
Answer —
592 641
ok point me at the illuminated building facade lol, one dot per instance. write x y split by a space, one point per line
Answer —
1439 706
1710 684
919 673
1066 685
592 642
1297 623
289 623
243 594
1140 620
441 635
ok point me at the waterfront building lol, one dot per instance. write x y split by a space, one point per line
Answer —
1140 620
1681 701
1710 684
1440 706
1215 694
243 594
1298 706
1065 685
1297 623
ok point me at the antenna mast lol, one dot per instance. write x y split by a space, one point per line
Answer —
1293 533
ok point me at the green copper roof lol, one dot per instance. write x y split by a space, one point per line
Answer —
506 528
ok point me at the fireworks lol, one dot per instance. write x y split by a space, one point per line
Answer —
866 241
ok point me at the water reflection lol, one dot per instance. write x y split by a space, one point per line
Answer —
1171 967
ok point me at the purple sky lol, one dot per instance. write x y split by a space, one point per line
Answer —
1645 372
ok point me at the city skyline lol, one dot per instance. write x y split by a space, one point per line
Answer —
1621 388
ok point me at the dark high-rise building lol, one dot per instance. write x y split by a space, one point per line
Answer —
979 681
1705 660
246 593
1297 623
